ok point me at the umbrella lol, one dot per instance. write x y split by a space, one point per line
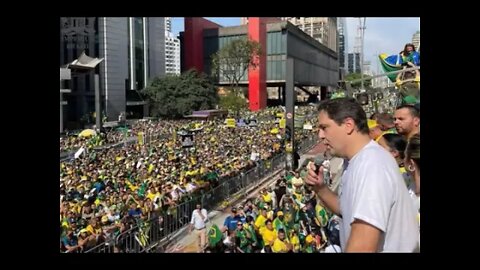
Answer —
87 133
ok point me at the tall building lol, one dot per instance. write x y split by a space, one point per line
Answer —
133 52
367 70
342 43
172 54
315 65
323 29
354 58
416 40
353 62
168 24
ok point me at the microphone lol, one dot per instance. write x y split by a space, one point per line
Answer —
319 160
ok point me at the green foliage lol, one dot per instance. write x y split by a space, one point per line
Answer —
356 76
176 95
233 102
233 60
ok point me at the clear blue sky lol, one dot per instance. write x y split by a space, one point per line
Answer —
382 35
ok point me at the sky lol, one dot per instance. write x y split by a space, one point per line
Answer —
382 35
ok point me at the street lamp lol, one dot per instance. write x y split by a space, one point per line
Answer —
84 64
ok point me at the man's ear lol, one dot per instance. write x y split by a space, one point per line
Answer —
416 121
349 125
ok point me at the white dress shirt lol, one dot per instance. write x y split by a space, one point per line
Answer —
197 221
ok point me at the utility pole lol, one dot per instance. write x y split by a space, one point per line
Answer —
362 28
290 115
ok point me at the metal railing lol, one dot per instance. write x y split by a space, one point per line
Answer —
143 237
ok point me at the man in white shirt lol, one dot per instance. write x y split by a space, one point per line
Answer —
373 202
199 224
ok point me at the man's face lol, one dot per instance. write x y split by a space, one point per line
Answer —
269 225
281 236
332 135
404 121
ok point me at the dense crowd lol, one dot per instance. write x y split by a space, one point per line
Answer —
105 192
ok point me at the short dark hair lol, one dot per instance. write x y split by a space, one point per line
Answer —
397 142
340 109
385 119
414 111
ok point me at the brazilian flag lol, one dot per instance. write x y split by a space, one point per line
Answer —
321 215
394 62
214 235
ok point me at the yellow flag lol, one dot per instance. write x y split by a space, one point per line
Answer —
231 122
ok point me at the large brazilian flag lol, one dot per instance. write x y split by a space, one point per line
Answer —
394 62
214 235
391 63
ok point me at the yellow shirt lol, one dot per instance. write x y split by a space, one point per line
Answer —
280 246
94 231
295 242
268 236
309 239
151 196
260 222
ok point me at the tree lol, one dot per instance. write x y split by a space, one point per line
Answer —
233 102
233 60
176 95
356 76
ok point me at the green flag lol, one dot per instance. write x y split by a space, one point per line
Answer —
214 235
253 234
278 224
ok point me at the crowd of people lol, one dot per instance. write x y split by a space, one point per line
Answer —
107 192
285 217
72 141
103 193
300 215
